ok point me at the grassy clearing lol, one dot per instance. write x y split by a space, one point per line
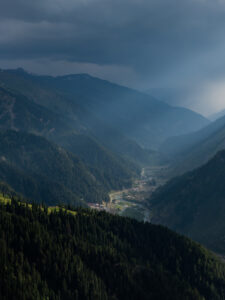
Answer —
52 209
6 200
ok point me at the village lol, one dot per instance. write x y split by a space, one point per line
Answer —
132 202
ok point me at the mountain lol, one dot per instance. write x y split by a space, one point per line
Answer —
83 254
21 114
113 171
89 100
40 169
138 115
80 119
191 151
217 115
173 96
194 205
38 187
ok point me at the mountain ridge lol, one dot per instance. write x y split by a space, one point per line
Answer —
191 151
99 256
93 94
193 204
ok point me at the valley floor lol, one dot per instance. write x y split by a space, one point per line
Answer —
132 202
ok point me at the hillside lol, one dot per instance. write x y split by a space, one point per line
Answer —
39 169
180 145
21 114
194 205
38 187
113 171
190 151
100 256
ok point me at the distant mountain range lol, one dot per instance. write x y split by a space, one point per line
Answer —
172 96
193 150
217 115
105 130
74 118
194 204
139 116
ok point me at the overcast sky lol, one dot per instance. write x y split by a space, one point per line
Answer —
146 44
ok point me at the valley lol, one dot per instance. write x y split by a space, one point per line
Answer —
131 202
112 150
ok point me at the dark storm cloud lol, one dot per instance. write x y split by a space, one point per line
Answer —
140 33
162 41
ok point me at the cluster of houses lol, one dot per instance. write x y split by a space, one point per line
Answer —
97 206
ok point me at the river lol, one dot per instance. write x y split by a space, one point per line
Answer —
133 202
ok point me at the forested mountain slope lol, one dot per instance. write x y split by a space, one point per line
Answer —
112 170
93 255
194 204
21 114
38 168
